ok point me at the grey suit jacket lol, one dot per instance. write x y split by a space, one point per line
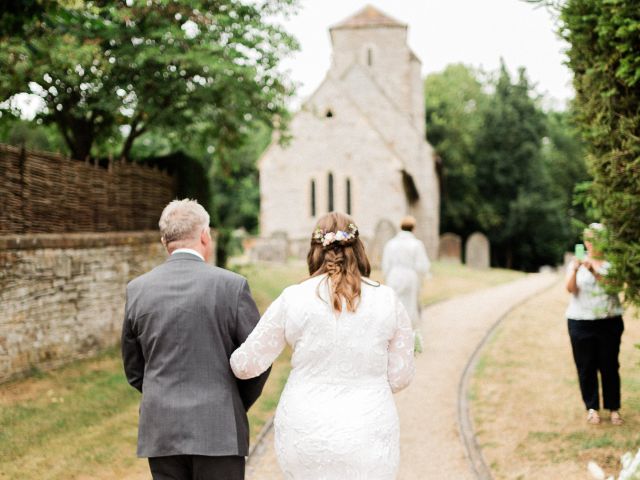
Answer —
182 321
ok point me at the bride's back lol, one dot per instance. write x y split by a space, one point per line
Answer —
352 347
330 346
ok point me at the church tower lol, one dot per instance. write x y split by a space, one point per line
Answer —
357 145
379 42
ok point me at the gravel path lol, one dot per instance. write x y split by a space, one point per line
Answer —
431 447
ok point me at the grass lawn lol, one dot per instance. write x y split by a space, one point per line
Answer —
526 402
80 421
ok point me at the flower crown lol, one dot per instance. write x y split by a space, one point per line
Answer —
340 237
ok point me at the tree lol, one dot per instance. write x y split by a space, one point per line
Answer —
224 181
15 15
110 72
564 155
604 54
455 100
235 201
509 168
528 227
30 134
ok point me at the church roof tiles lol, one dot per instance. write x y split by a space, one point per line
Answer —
368 17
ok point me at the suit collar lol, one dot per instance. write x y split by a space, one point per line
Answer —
184 256
189 250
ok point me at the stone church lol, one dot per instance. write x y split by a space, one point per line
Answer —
357 144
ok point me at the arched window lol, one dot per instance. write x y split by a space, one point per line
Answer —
330 192
369 56
313 198
348 196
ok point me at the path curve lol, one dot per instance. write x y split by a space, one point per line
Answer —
430 438
473 452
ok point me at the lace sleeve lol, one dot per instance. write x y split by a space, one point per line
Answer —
263 345
401 368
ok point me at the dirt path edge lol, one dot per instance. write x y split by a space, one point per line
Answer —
472 449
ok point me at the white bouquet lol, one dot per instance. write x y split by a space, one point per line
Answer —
630 468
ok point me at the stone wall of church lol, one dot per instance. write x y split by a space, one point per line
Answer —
390 58
375 130
344 145
417 98
62 295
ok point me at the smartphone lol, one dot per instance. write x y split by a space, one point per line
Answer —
579 251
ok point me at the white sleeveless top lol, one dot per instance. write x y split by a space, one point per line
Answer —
592 302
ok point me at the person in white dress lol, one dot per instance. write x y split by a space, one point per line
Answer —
352 345
405 264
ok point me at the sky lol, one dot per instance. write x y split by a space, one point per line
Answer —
441 32
475 32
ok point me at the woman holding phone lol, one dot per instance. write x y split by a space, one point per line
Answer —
595 328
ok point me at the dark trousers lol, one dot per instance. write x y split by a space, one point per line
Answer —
197 467
596 345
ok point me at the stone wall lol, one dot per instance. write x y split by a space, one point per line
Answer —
62 295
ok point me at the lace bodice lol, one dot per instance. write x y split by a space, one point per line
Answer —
373 343
336 418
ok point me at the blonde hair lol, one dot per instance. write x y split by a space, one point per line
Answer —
182 220
345 263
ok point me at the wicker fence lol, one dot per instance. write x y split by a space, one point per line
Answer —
43 192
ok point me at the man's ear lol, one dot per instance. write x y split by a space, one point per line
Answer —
204 236
164 243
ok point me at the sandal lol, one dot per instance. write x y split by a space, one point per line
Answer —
593 418
616 419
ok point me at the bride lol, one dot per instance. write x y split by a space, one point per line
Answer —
352 347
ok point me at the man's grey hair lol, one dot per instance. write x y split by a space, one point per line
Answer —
182 220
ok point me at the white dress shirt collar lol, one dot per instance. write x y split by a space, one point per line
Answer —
188 250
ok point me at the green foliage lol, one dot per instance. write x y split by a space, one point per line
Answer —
455 100
563 153
235 201
509 168
604 54
190 175
224 181
32 134
190 86
110 71
16 15
529 227
564 156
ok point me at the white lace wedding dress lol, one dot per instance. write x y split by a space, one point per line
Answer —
336 418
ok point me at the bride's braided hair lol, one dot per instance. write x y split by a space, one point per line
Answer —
341 256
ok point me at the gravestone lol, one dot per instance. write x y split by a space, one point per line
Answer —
385 231
299 248
272 249
450 248
477 251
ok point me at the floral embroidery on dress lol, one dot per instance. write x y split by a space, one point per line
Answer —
336 418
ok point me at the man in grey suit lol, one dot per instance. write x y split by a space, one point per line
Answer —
182 321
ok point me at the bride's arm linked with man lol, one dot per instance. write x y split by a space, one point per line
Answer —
194 345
